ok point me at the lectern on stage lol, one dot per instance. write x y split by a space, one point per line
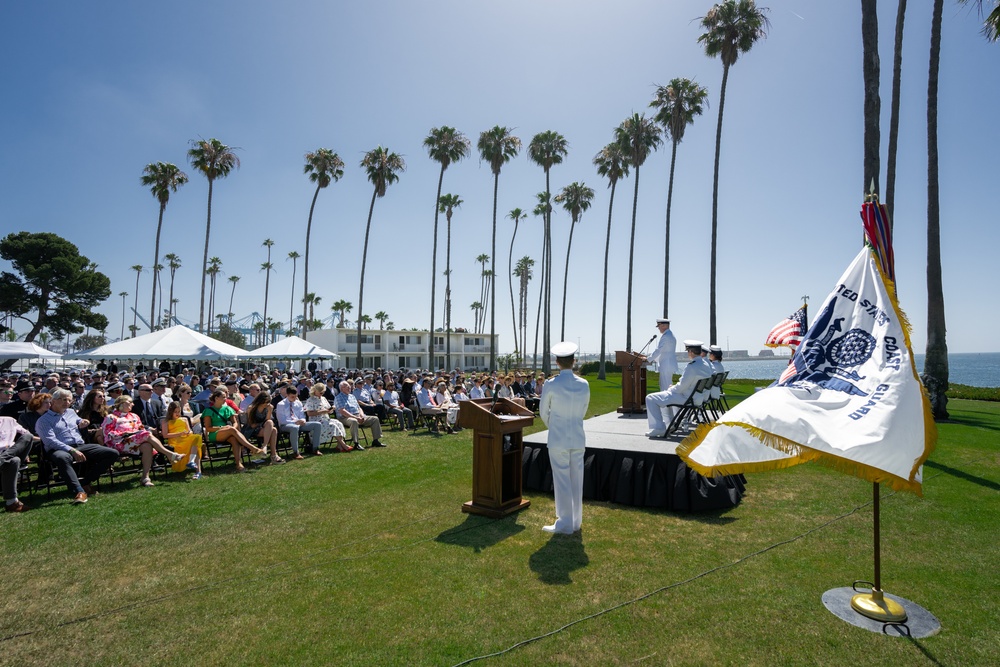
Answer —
497 447
633 382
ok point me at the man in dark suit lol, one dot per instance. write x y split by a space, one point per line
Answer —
150 408
23 391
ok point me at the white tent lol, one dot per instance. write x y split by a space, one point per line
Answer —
25 351
292 347
177 342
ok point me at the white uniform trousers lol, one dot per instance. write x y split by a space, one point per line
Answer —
660 409
567 479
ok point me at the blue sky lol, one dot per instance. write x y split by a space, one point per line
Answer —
95 91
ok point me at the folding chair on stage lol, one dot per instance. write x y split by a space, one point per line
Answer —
693 408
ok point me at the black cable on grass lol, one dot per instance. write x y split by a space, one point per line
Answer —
676 584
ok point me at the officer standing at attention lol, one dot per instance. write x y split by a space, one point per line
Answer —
562 407
665 354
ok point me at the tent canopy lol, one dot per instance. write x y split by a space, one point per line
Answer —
292 347
177 342
25 351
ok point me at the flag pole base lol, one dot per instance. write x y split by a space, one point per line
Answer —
876 606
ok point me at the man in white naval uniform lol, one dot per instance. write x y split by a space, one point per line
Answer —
665 354
562 407
660 406
715 359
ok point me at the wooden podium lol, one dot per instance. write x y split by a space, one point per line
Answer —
633 382
497 446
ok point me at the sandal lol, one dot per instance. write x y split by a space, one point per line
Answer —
145 481
277 460
344 448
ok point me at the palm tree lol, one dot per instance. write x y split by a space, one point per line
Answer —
123 295
294 256
161 178
516 215
364 321
575 198
342 307
546 149
498 146
156 278
214 160
448 203
267 267
611 163
274 327
897 66
233 280
323 166
444 145
476 308
381 316
935 374
213 271
542 209
310 301
173 263
381 167
731 28
480 320
524 275
135 307
638 137
678 102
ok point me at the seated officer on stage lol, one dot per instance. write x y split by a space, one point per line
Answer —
660 407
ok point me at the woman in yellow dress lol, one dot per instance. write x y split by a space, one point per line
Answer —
177 432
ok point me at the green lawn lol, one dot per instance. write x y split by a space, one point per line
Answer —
366 559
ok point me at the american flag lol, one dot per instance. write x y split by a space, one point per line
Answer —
788 331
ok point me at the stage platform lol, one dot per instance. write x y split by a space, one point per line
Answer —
622 465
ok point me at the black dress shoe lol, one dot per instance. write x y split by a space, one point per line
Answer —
358 447
378 443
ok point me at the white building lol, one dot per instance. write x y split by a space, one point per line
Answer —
405 349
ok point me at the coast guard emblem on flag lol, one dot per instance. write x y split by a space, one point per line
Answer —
850 397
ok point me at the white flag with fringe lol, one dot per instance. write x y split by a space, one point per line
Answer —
850 398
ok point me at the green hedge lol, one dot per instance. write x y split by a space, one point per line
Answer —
973 393
593 367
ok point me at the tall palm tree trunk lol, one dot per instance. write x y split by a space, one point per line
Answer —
230 311
666 246
631 258
171 304
364 260
936 360
267 291
547 280
712 322
156 273
873 104
493 284
204 261
434 256
538 314
159 294
569 246
305 268
291 305
510 285
897 66
601 375
447 295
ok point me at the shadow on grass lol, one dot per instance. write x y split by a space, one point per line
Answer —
965 418
558 557
479 532
961 474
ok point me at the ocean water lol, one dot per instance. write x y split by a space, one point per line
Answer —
976 369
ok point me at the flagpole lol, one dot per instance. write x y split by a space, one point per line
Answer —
874 604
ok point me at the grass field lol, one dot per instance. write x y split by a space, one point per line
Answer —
366 559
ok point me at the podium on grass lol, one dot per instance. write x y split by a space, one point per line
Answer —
497 446
633 382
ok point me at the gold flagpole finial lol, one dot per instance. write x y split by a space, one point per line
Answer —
872 196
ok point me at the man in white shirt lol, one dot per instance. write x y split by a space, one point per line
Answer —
292 420
563 406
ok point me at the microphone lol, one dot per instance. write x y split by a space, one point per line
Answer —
631 365
496 395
